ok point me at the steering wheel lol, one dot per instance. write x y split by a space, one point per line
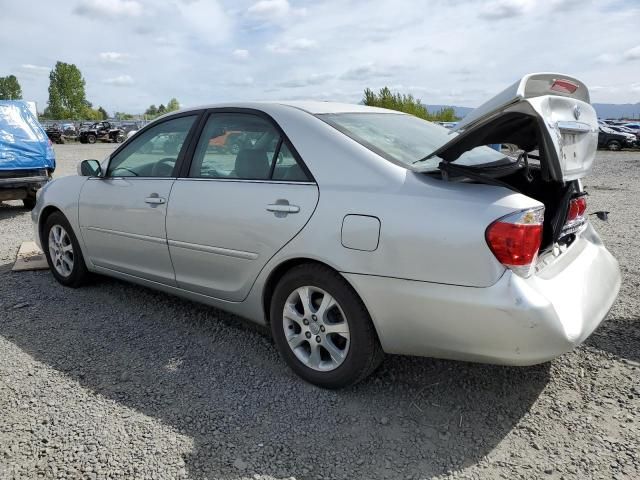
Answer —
163 167
113 173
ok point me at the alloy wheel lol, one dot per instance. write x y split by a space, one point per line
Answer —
61 250
316 328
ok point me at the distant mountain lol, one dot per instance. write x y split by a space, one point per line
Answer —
460 111
612 110
604 110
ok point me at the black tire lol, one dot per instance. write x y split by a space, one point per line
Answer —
91 139
614 145
29 202
79 274
364 354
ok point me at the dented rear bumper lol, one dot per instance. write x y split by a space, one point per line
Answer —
516 321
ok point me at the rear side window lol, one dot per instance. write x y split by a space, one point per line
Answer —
245 147
403 139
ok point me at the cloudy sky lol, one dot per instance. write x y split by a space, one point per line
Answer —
133 53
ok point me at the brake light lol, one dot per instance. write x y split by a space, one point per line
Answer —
515 239
563 86
577 207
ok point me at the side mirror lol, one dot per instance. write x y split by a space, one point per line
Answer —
89 168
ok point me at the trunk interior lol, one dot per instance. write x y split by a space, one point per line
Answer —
554 195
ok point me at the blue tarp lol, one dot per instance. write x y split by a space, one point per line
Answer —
23 142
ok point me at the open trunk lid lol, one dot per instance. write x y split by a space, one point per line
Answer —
548 112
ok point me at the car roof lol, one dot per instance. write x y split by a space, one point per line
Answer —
313 107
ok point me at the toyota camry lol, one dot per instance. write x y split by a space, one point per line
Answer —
353 231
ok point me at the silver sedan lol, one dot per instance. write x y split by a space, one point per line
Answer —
354 231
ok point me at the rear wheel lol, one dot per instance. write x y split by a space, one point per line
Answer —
91 138
614 145
63 253
322 329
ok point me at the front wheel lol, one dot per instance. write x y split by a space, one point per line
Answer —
322 329
614 145
91 139
63 253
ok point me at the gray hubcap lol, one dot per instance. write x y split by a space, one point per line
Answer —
61 250
316 328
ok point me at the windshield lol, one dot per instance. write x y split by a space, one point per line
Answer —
405 139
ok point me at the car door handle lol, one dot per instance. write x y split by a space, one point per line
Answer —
154 200
283 208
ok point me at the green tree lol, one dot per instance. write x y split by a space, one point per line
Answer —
10 88
67 97
152 111
406 103
123 116
103 113
162 109
173 105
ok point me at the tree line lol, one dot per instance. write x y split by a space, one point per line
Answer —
406 103
68 98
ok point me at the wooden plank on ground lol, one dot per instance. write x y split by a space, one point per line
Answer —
30 257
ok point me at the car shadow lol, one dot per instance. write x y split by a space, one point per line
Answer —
221 382
619 336
12 209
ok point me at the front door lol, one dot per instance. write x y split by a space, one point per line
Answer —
241 203
122 215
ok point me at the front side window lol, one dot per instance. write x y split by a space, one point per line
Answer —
154 152
242 146
404 139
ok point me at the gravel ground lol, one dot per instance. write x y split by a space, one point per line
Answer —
118 381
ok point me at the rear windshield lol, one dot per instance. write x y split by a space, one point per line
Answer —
405 139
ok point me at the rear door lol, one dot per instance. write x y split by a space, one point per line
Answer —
544 111
237 205
122 215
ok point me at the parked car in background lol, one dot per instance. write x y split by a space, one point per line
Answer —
102 131
54 132
612 140
353 231
27 159
228 140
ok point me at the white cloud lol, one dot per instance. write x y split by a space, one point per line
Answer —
113 57
242 82
109 8
366 72
207 20
120 81
606 58
273 10
35 69
291 46
313 79
240 53
632 53
499 9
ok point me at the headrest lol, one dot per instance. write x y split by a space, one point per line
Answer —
252 164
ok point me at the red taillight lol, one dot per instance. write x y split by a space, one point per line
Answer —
563 86
577 207
515 239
